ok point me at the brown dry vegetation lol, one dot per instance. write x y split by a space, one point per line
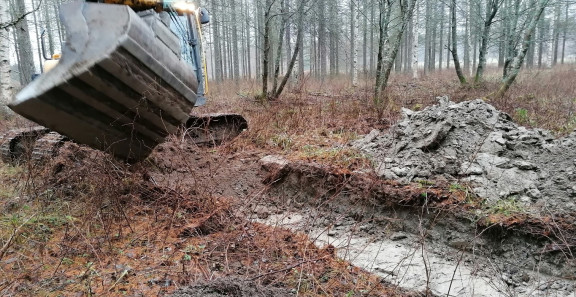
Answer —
87 225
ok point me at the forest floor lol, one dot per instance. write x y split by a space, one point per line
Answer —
313 220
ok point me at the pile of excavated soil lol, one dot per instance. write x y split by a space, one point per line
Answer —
472 142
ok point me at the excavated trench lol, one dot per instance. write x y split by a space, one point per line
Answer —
411 237
461 202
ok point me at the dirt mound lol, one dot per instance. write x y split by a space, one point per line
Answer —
472 142
230 287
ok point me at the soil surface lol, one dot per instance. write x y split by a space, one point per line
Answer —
423 238
472 142
412 222
231 287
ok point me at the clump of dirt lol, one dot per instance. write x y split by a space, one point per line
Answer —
231 287
473 142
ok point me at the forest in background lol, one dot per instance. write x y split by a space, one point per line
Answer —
268 40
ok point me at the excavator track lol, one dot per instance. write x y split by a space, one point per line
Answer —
16 145
47 146
215 128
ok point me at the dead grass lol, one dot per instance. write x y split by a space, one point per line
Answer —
89 224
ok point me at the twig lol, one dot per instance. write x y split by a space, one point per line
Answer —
286 268
124 272
19 19
14 234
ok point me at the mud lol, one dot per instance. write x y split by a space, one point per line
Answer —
420 245
231 287
473 143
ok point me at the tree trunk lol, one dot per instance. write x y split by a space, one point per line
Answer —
492 7
248 47
372 14
321 54
564 33
266 49
258 33
519 58
454 48
279 46
557 12
389 43
299 38
365 37
415 43
6 86
511 39
467 68
540 42
24 49
354 12
441 45
217 45
36 20
427 38
550 44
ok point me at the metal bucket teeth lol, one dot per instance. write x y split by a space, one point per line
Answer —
118 87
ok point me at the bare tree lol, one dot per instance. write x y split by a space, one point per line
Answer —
5 79
539 6
415 33
454 47
354 22
492 7
394 18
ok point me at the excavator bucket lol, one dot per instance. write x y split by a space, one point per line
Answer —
120 85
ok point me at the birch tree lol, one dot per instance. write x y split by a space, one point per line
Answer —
415 33
539 6
492 7
391 31
354 22
5 79
454 47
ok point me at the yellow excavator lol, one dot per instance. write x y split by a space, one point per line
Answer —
130 73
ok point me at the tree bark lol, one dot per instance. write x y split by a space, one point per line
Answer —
441 45
389 43
279 47
492 7
6 86
526 40
415 43
217 45
564 33
454 48
354 9
467 68
266 49
299 38
24 50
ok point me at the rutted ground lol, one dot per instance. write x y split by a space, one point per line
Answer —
391 230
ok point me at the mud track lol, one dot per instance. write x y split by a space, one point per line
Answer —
424 237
